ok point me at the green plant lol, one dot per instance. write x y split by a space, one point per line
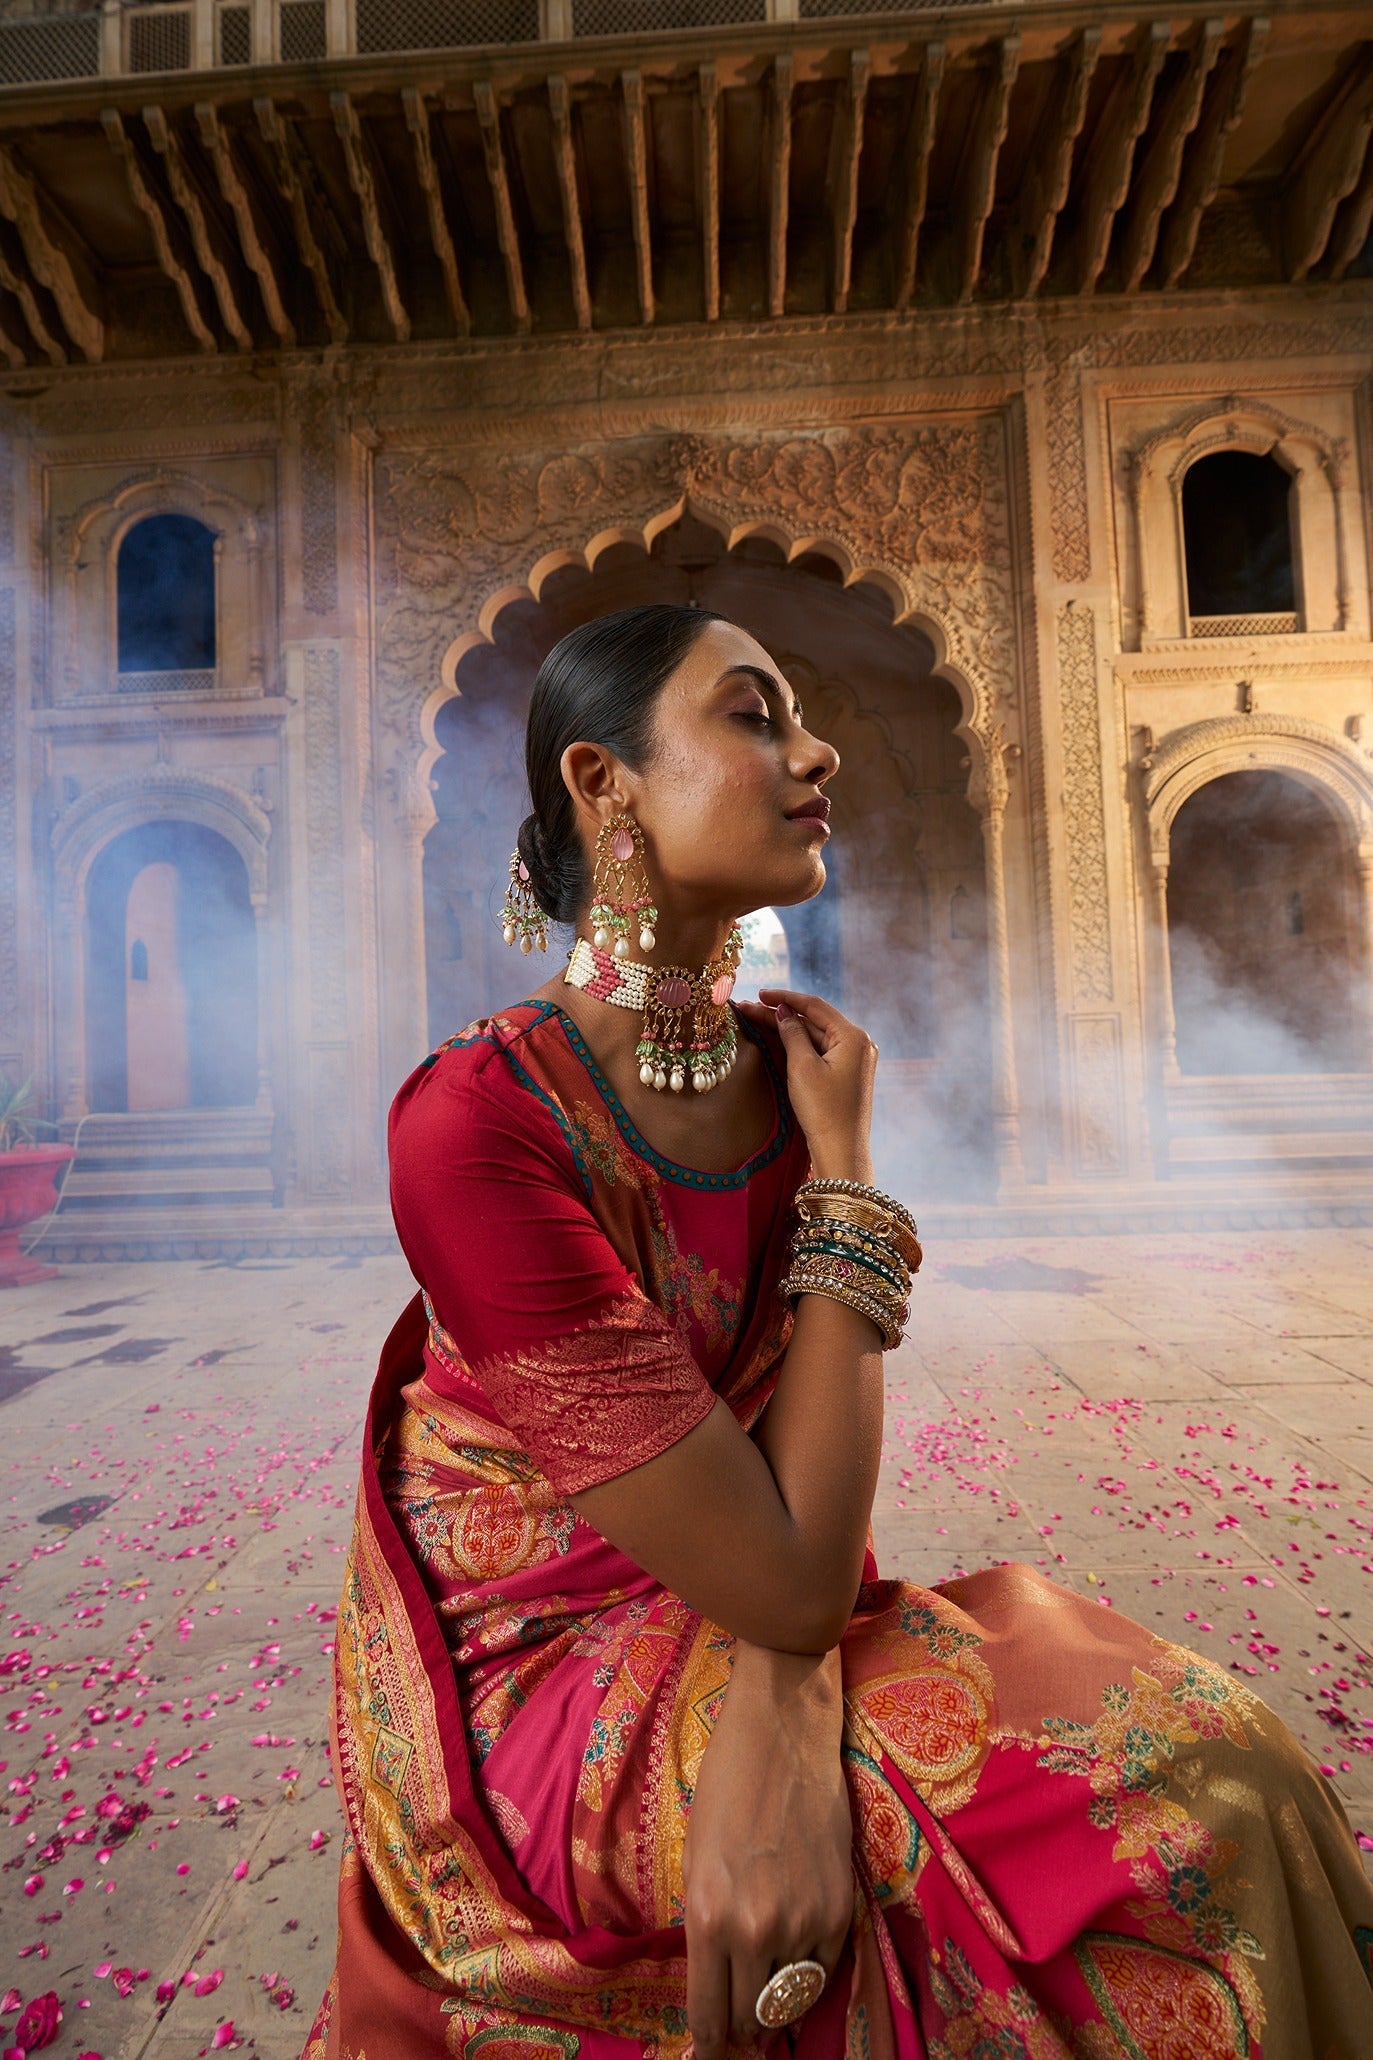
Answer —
17 1121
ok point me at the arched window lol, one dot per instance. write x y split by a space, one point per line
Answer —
165 579
1237 536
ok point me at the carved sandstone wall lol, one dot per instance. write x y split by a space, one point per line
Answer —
978 470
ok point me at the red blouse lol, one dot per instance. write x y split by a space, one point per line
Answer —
594 1292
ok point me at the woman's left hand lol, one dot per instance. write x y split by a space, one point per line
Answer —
768 1862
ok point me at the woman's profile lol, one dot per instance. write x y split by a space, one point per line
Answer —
639 1755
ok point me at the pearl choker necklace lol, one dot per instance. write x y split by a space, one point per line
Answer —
689 1028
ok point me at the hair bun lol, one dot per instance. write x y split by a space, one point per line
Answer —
533 849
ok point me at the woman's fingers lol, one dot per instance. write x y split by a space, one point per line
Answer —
708 1995
813 1006
748 1970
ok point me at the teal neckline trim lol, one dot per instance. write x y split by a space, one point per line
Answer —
685 1176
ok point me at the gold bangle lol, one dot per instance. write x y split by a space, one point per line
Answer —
851 1201
881 1305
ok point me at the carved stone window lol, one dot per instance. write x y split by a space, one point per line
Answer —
165 600
1237 537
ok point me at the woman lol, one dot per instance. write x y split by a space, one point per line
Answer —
638 1753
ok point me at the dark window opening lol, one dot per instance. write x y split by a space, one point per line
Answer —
138 960
1238 536
166 587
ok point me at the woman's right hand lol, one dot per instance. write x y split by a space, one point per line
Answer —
831 1064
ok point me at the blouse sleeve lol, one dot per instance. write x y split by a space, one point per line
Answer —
575 1358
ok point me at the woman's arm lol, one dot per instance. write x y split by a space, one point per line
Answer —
766 1536
768 1864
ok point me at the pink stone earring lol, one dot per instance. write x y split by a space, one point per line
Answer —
523 921
619 889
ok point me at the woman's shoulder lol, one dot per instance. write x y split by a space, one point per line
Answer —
475 1081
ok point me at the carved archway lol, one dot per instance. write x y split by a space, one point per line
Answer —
83 829
1323 761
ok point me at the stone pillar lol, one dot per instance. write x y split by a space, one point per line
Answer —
404 982
1005 1091
69 966
263 1097
1363 865
1163 964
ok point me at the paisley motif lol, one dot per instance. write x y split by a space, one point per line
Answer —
493 1534
1162 2005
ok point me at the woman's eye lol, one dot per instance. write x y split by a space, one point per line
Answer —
756 715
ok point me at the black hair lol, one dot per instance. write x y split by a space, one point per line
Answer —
598 685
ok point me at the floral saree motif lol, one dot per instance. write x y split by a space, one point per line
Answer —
1073 1841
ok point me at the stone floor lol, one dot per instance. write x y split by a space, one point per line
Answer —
1180 1427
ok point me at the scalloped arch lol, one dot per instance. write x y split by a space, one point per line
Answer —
907 606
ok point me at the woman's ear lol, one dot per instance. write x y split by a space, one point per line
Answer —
594 777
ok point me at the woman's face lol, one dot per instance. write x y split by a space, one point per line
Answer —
732 763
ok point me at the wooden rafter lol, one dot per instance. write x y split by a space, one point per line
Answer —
28 296
565 158
489 125
365 181
303 217
779 183
1113 147
1154 183
13 344
1224 104
849 153
920 142
979 184
166 240
1051 161
53 257
708 87
636 167
1327 171
1353 222
211 251
254 241
440 235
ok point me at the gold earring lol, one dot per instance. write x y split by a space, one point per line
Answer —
620 896
522 918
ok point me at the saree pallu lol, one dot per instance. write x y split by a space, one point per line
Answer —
1072 1839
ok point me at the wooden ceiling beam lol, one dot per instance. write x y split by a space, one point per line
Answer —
1201 167
489 125
978 188
920 142
1154 183
1327 171
158 216
254 241
565 158
636 166
1051 162
54 257
779 182
365 181
1353 223
850 151
708 90
288 185
440 236
1107 173
28 296
211 249
13 346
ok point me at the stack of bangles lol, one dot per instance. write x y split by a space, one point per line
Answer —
859 1247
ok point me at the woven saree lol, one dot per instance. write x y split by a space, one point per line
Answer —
1072 1839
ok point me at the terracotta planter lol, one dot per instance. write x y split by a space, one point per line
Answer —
28 1189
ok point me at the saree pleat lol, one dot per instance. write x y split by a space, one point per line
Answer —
1073 1839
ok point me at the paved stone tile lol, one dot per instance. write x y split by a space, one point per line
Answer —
1155 1422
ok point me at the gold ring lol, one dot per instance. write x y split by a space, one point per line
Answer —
789 1994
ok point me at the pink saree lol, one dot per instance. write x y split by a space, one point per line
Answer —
1072 1839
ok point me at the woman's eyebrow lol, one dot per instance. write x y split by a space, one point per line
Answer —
766 683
